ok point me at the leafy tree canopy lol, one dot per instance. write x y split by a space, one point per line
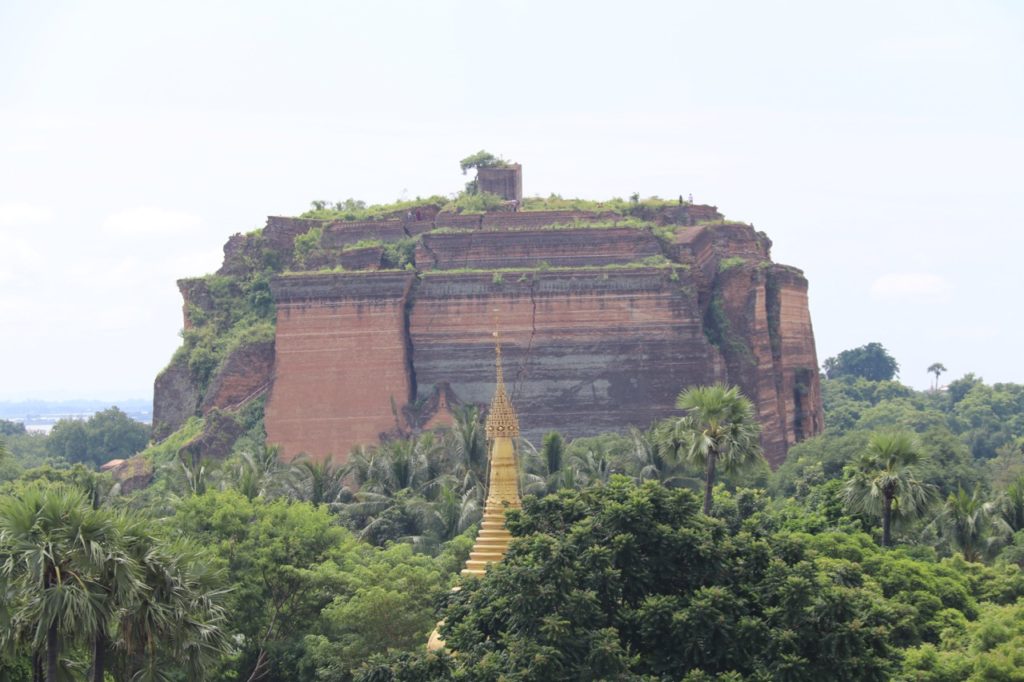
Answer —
482 159
630 582
107 435
308 594
11 428
870 361
623 581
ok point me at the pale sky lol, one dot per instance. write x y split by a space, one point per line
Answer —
879 144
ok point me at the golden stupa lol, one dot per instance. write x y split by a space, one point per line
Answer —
502 485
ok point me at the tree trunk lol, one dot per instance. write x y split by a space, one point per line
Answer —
709 482
52 651
99 650
887 521
261 662
37 667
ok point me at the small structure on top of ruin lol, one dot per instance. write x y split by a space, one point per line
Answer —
505 181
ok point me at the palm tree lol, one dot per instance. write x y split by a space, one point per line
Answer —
884 480
548 471
971 524
117 585
72 572
261 473
592 466
467 448
718 430
413 464
194 474
1011 504
447 516
178 618
318 482
647 463
936 368
54 543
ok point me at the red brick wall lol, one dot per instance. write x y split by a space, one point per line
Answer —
340 361
585 352
529 248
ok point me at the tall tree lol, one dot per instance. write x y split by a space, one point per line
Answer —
552 450
884 480
971 525
117 584
283 559
936 368
178 619
871 361
110 434
719 430
482 159
54 543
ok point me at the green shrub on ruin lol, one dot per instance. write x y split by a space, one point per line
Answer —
167 449
399 254
238 310
354 209
480 202
731 262
308 244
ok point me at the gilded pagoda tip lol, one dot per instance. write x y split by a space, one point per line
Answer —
501 418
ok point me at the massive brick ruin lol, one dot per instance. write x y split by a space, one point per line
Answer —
604 322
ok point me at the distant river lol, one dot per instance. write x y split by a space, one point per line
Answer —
42 423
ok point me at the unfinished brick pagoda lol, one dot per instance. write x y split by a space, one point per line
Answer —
605 320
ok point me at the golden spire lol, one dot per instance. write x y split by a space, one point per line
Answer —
501 418
502 489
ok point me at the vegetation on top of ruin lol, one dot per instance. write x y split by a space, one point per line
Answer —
474 203
236 310
482 159
575 224
471 200
308 244
657 261
356 209
556 202
731 262
481 202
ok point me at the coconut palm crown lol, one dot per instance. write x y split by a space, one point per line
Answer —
718 431
884 481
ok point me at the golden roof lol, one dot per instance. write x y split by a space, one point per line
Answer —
501 418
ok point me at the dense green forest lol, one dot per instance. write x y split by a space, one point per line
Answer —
889 547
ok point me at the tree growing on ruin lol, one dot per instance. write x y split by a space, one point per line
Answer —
482 159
